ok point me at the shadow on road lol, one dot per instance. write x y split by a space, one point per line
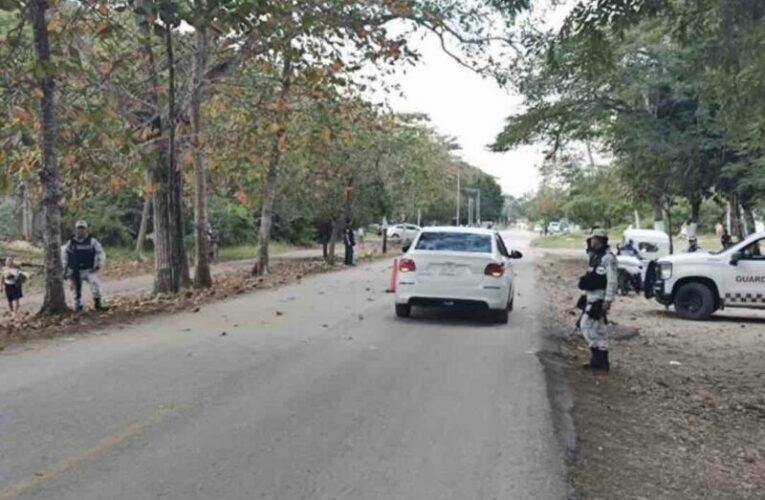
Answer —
451 316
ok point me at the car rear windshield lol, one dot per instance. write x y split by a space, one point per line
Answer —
455 242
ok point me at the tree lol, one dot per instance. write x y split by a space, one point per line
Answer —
54 301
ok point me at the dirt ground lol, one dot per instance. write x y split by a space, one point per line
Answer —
682 413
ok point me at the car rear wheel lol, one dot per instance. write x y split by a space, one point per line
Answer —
694 301
403 310
501 316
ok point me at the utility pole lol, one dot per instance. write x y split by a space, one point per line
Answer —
478 208
476 214
457 222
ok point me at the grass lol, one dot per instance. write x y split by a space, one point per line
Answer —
250 250
570 240
576 241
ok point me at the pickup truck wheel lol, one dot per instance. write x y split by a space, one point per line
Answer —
403 310
624 282
694 301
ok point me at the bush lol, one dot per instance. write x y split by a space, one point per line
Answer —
10 223
113 220
232 222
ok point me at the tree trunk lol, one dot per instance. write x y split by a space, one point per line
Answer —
165 280
143 228
266 213
202 275
658 215
695 211
269 189
27 215
332 243
749 222
735 218
668 218
55 300
179 262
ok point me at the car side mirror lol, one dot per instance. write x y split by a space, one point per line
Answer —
515 254
735 258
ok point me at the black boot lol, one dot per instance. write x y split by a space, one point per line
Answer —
97 304
600 364
606 364
593 359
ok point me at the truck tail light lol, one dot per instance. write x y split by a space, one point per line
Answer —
495 270
407 266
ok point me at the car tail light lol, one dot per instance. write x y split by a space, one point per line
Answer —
495 270
407 266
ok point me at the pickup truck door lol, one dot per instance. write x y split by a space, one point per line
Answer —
745 281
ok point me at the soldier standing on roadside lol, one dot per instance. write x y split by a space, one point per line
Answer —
83 257
349 241
599 284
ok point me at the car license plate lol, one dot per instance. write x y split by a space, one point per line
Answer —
448 303
449 270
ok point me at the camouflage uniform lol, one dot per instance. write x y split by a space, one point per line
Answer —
593 330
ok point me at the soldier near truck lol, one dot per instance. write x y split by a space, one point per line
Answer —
599 284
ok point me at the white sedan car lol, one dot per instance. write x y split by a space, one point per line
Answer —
453 266
403 232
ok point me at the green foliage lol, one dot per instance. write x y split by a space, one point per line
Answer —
10 225
232 222
113 220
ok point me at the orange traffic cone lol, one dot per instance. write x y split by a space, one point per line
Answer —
393 277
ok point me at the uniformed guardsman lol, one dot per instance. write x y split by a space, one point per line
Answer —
599 284
350 241
83 257
693 244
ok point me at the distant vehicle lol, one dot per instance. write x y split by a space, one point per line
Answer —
637 249
538 228
451 267
403 232
698 284
553 227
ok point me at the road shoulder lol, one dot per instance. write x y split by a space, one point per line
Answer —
681 414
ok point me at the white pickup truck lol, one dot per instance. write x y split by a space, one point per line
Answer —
698 284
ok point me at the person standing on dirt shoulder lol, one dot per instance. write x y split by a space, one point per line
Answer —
83 258
599 284
349 241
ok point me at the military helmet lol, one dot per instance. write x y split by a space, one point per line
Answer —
598 233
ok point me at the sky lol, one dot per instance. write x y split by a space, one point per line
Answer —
470 108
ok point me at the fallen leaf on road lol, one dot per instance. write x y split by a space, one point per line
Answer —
223 334
279 313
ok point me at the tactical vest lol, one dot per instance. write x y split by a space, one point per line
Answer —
595 277
82 254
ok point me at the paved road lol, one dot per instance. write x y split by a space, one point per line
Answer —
316 392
